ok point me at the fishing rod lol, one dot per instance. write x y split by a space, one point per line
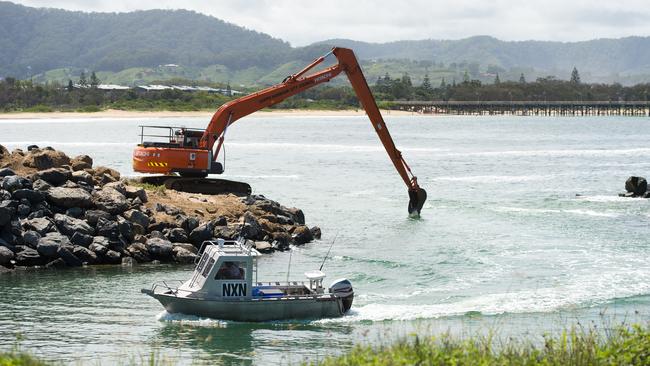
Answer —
328 252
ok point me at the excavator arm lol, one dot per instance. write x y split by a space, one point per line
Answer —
294 84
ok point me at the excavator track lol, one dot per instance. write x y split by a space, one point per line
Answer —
199 185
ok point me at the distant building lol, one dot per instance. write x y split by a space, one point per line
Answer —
153 87
112 87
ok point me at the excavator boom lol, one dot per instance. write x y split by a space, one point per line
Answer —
294 84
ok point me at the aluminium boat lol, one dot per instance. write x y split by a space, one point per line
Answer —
224 286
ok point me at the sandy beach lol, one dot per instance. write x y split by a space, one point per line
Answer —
114 113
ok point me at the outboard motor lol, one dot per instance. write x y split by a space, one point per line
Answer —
343 288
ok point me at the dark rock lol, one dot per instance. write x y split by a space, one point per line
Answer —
49 245
177 235
188 223
182 255
4 269
7 244
4 195
252 228
111 201
57 263
69 197
54 176
99 245
6 213
297 215
138 229
316 232
221 221
69 225
118 186
29 257
139 252
101 170
32 196
42 159
6 256
302 235
41 185
126 229
42 225
136 192
81 162
93 216
104 179
80 239
70 259
201 233
112 257
186 246
13 183
30 238
226 232
636 185
159 226
6 172
32 147
157 234
23 210
281 240
75 212
108 229
84 254
137 217
160 249
82 176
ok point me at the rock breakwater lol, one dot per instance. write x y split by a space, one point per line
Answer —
57 211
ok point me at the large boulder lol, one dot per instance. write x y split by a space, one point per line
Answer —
6 171
29 257
252 228
182 255
636 185
30 238
15 182
54 176
201 233
82 240
49 245
6 256
42 225
302 235
70 259
82 176
177 235
6 213
84 254
99 245
139 252
136 192
137 217
93 216
81 162
108 228
227 232
28 194
112 257
110 200
101 170
42 159
69 197
160 249
69 225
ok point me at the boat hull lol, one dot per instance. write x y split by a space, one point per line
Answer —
255 310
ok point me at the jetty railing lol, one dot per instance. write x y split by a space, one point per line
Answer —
527 108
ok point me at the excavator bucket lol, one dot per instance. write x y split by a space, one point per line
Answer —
417 197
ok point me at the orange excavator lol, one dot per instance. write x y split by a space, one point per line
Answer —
187 156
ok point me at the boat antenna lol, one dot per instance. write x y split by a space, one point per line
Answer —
289 267
328 252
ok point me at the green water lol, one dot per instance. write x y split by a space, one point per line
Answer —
503 244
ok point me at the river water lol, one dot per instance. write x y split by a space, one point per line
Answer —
523 234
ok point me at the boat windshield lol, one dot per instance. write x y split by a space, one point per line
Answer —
230 270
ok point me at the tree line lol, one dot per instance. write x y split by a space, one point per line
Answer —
84 94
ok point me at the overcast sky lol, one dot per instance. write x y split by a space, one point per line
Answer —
383 21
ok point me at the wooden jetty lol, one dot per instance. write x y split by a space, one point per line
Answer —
528 108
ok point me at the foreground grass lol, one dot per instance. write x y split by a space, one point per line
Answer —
623 346
19 358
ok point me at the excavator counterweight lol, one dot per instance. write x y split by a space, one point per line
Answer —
192 154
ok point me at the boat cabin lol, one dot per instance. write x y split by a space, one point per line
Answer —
227 269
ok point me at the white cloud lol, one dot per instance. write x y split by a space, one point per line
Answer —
384 21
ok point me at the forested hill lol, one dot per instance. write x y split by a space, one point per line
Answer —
34 40
600 57
127 48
